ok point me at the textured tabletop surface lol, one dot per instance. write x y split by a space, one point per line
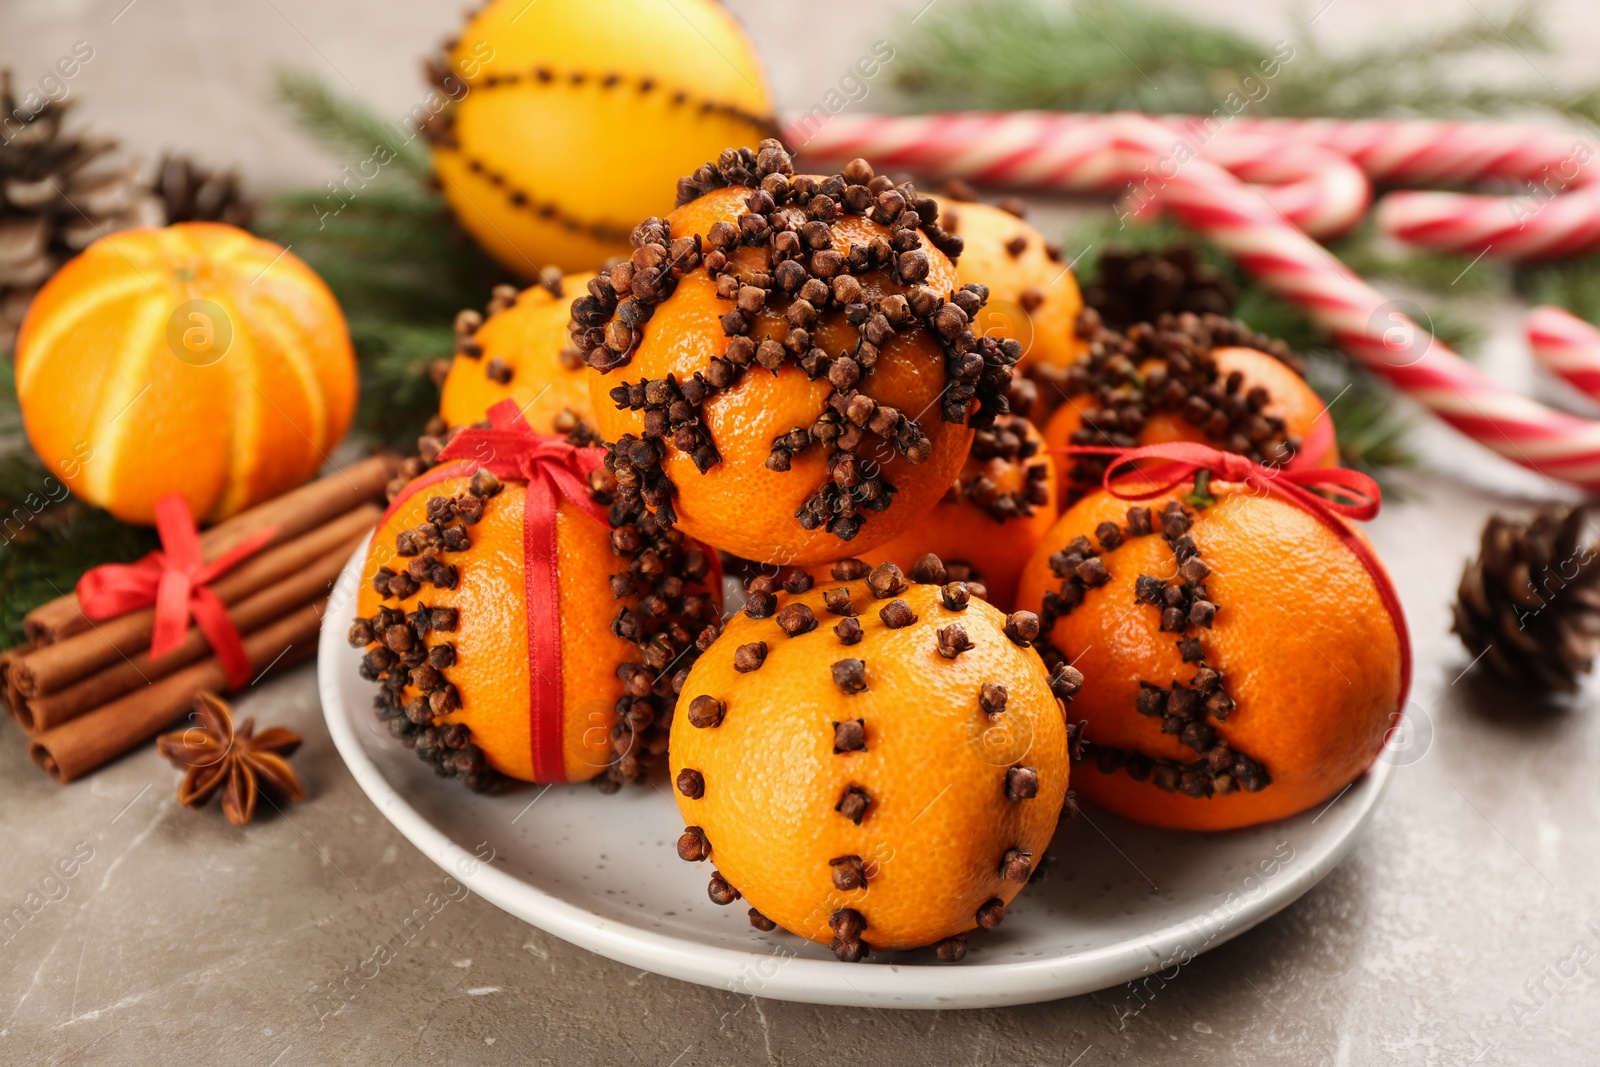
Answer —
1463 929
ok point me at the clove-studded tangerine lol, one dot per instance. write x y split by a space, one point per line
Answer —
987 524
1243 663
887 779
1198 378
444 622
520 351
786 365
1033 294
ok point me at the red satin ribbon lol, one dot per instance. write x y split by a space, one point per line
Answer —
1353 495
175 579
553 471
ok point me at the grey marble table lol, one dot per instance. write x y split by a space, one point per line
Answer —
1464 929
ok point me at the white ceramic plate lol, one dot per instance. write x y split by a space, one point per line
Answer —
1115 901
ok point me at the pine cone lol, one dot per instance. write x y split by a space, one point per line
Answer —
58 192
190 192
1529 605
1141 286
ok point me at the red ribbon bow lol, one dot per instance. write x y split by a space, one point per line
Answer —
1352 495
175 579
554 471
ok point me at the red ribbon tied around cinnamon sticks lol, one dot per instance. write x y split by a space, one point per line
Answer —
175 578
1350 495
553 471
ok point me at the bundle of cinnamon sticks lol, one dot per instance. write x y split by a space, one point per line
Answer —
87 692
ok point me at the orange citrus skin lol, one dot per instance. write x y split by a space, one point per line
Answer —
529 337
1046 332
934 766
129 391
739 505
605 136
1305 646
491 669
1293 401
960 531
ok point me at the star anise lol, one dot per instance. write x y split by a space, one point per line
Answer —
218 755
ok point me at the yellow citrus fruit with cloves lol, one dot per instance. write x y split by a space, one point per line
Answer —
871 763
562 124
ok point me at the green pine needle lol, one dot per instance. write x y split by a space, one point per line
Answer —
1110 55
348 129
390 250
1573 284
45 543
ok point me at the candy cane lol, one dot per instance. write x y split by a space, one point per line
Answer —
1420 152
1517 227
1317 189
1429 152
1361 321
1566 346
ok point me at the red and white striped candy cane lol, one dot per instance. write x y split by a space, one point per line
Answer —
1363 322
1429 152
1318 190
1511 227
1566 346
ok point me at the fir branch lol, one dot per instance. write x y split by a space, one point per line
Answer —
47 540
45 559
392 253
344 126
1093 55
1102 55
1573 284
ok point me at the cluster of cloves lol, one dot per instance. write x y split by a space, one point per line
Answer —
398 656
1079 567
670 625
777 301
1185 605
1167 366
1007 442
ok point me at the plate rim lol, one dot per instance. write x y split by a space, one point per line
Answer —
794 978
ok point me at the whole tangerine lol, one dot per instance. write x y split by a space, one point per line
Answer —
994 515
1242 661
443 618
194 359
1033 294
521 352
871 762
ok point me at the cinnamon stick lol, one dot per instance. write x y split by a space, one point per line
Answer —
8 693
53 667
80 745
293 513
41 713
